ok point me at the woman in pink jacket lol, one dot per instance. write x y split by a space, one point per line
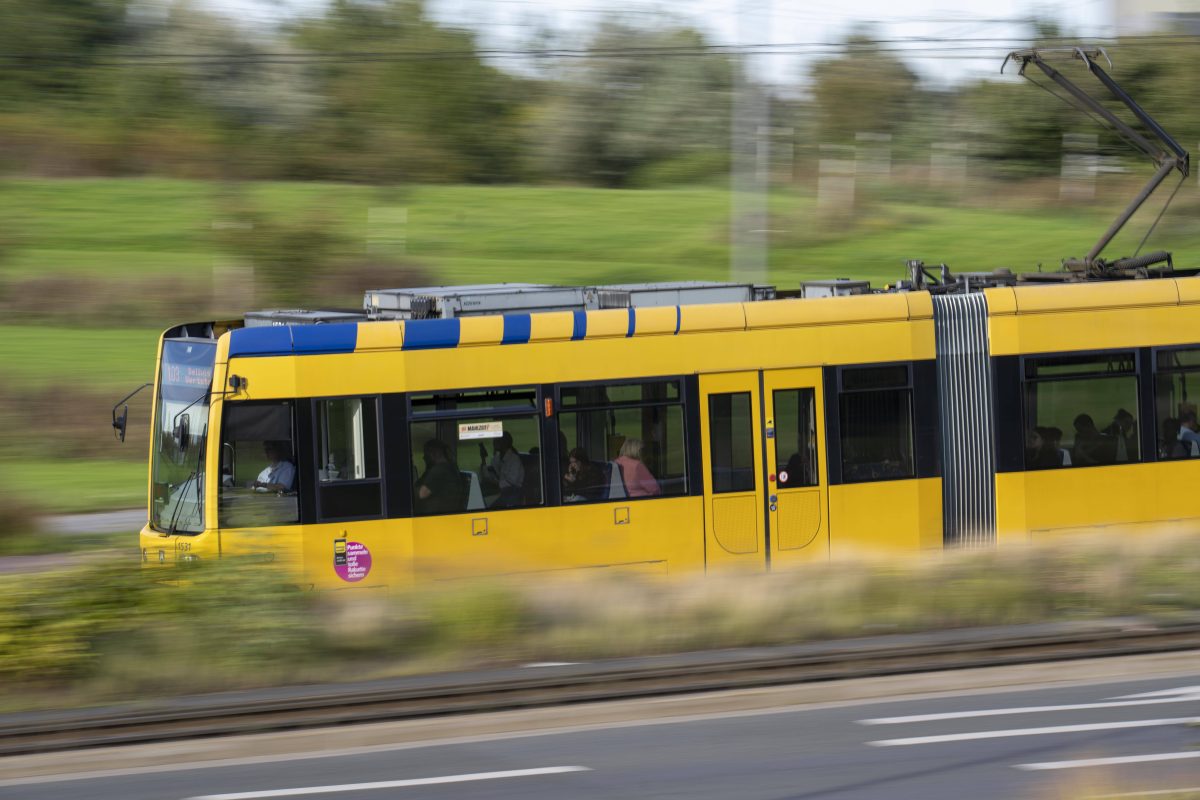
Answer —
639 481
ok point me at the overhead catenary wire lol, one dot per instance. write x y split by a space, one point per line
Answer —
981 48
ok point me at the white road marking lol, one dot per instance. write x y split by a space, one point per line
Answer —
1112 761
1000 734
1188 692
362 787
1000 712
540 664
1157 793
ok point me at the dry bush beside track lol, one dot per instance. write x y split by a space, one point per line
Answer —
108 630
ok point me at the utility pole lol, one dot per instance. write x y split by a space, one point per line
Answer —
749 160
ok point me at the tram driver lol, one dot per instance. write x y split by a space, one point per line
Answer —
280 474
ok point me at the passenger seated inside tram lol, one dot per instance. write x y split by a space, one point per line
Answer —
1044 449
639 481
1188 439
280 474
1121 437
1089 448
505 472
439 490
582 480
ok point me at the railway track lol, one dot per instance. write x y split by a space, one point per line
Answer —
457 693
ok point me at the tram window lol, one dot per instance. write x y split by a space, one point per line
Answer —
731 441
876 423
473 463
795 437
258 466
349 439
1177 372
622 441
348 470
1081 410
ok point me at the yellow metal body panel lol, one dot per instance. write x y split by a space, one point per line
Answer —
1120 314
883 517
1129 497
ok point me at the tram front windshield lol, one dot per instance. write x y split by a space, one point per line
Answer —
180 430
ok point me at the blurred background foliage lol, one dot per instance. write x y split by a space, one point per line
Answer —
161 162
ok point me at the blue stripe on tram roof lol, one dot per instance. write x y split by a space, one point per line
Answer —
315 339
632 322
516 329
579 326
429 334
268 340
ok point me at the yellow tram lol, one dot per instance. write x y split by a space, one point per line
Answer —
774 431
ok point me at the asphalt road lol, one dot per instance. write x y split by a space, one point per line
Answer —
1068 741
131 520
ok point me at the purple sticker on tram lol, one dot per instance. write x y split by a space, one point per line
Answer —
354 564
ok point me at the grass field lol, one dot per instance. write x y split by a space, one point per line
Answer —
65 486
160 231
102 358
128 228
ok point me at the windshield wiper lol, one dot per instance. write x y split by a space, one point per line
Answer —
195 478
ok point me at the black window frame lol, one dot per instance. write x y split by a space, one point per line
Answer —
917 467
1138 353
1155 426
320 486
302 457
686 388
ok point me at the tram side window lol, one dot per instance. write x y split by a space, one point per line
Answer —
731 442
1176 379
623 440
348 448
876 418
475 450
796 437
1081 410
258 465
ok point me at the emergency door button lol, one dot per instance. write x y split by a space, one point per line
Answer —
621 515
479 526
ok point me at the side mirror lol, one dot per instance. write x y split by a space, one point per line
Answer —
119 421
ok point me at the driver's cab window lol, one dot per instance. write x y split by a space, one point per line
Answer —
259 479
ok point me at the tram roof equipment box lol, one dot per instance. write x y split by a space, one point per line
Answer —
297 316
440 302
675 293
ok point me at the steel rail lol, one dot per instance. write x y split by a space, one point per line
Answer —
292 708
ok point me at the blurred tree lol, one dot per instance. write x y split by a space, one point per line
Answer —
48 47
866 89
405 99
618 117
232 112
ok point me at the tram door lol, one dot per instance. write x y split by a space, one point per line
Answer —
765 499
731 420
797 500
